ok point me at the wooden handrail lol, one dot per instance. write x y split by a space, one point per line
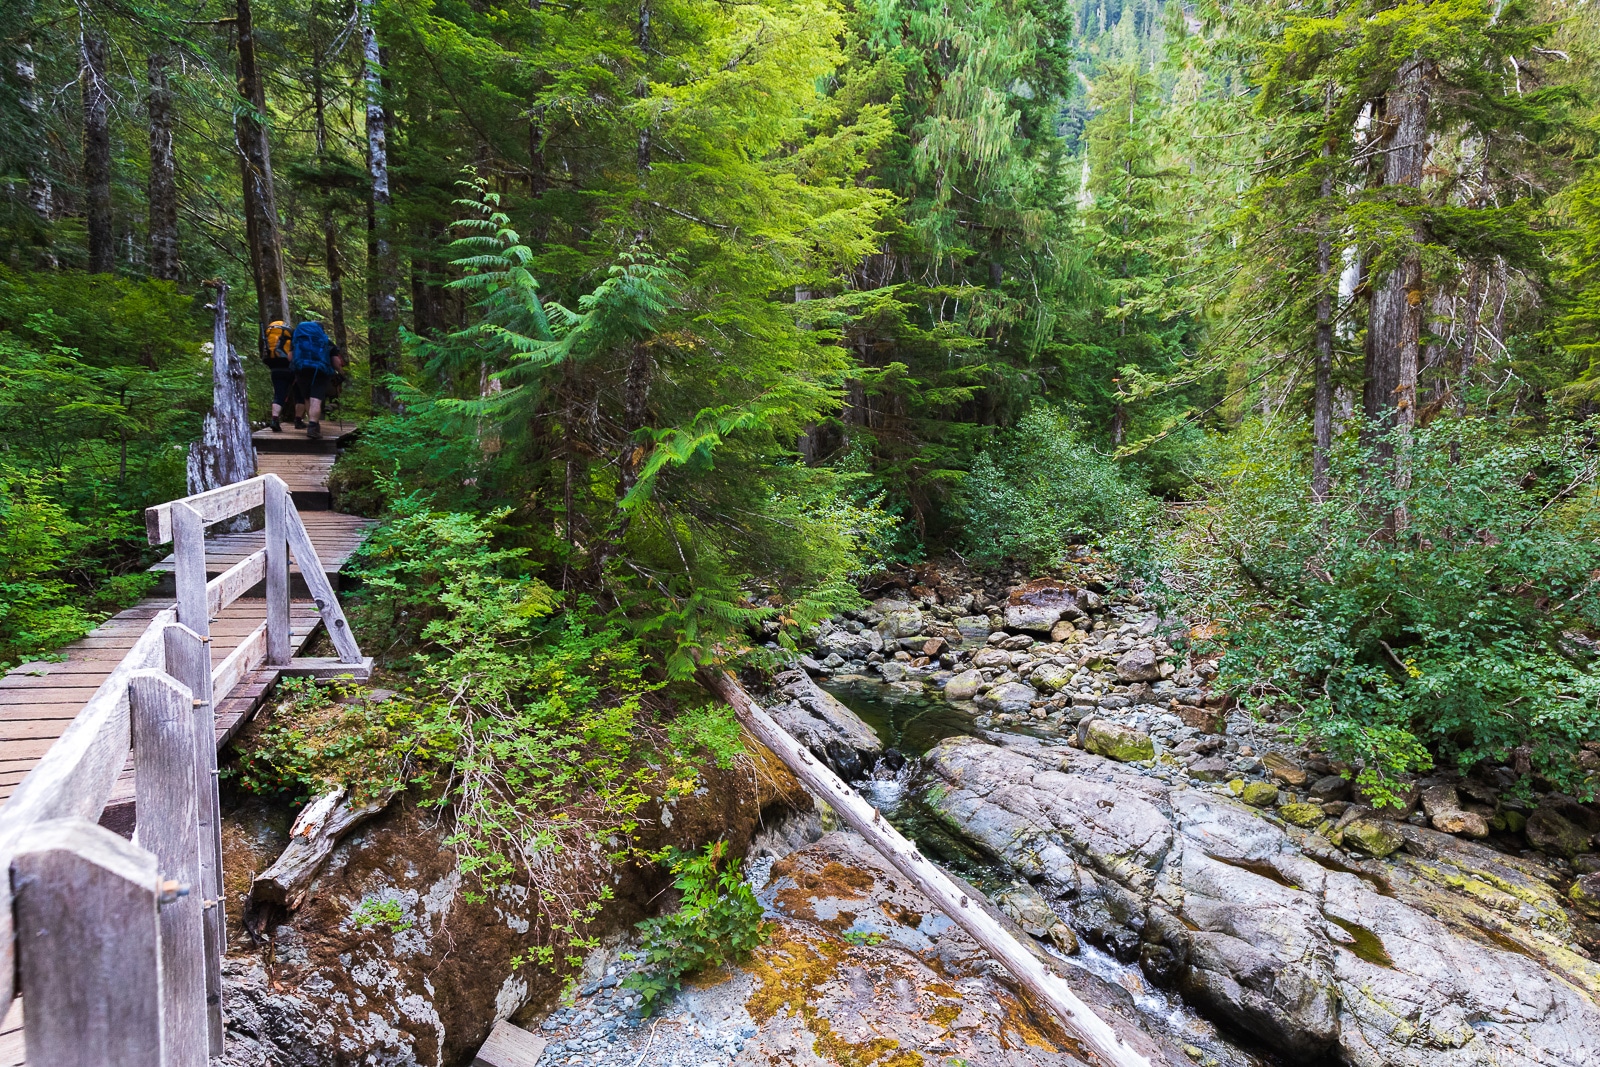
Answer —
214 505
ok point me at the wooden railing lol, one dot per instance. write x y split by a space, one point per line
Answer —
118 944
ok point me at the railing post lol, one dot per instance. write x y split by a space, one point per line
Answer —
188 659
189 568
168 792
277 503
305 554
88 946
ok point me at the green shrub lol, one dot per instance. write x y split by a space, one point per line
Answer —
1458 638
718 921
1040 488
38 611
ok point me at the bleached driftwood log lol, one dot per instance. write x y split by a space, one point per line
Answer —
225 453
312 839
1046 988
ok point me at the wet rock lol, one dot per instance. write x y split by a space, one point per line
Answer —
1011 697
1051 678
1585 894
1139 665
1380 962
1125 744
964 686
843 643
818 720
974 629
1029 909
902 620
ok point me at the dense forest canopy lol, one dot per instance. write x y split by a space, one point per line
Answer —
694 312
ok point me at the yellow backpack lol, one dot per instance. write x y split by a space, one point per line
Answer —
279 346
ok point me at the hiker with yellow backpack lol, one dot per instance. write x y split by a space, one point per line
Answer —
280 364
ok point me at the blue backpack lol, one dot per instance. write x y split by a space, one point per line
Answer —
311 347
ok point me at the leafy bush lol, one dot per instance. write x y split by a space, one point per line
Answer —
1039 488
37 612
1458 636
718 921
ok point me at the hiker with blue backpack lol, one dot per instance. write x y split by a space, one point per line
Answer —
317 362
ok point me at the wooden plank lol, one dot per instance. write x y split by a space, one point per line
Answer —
249 655
168 796
189 661
234 582
509 1046
277 534
212 506
328 667
88 946
321 590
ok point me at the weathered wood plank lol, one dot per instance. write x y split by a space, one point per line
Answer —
189 549
168 794
328 667
212 506
305 554
189 661
236 581
89 946
510 1046
249 655
277 534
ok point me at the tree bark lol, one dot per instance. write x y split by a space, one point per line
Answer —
1046 988
97 152
162 250
255 166
41 191
1395 326
383 338
643 89
225 452
1322 388
330 225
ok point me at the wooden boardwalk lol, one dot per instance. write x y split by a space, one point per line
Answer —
39 699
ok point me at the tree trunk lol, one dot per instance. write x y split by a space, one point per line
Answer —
1476 291
1046 988
643 89
163 194
97 152
225 452
255 167
383 338
1394 330
41 191
330 225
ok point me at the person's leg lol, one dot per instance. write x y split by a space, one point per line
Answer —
315 385
282 389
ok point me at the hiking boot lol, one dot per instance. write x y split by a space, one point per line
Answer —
299 423
277 427
314 431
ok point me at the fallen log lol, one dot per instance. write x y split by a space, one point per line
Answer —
312 839
1046 988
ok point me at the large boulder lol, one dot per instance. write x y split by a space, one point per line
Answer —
1139 664
964 686
819 721
1125 744
851 646
1033 618
974 629
1050 677
1011 697
1444 955
900 620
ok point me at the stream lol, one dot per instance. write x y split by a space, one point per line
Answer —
913 722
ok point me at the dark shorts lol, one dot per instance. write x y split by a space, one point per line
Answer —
314 383
282 385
